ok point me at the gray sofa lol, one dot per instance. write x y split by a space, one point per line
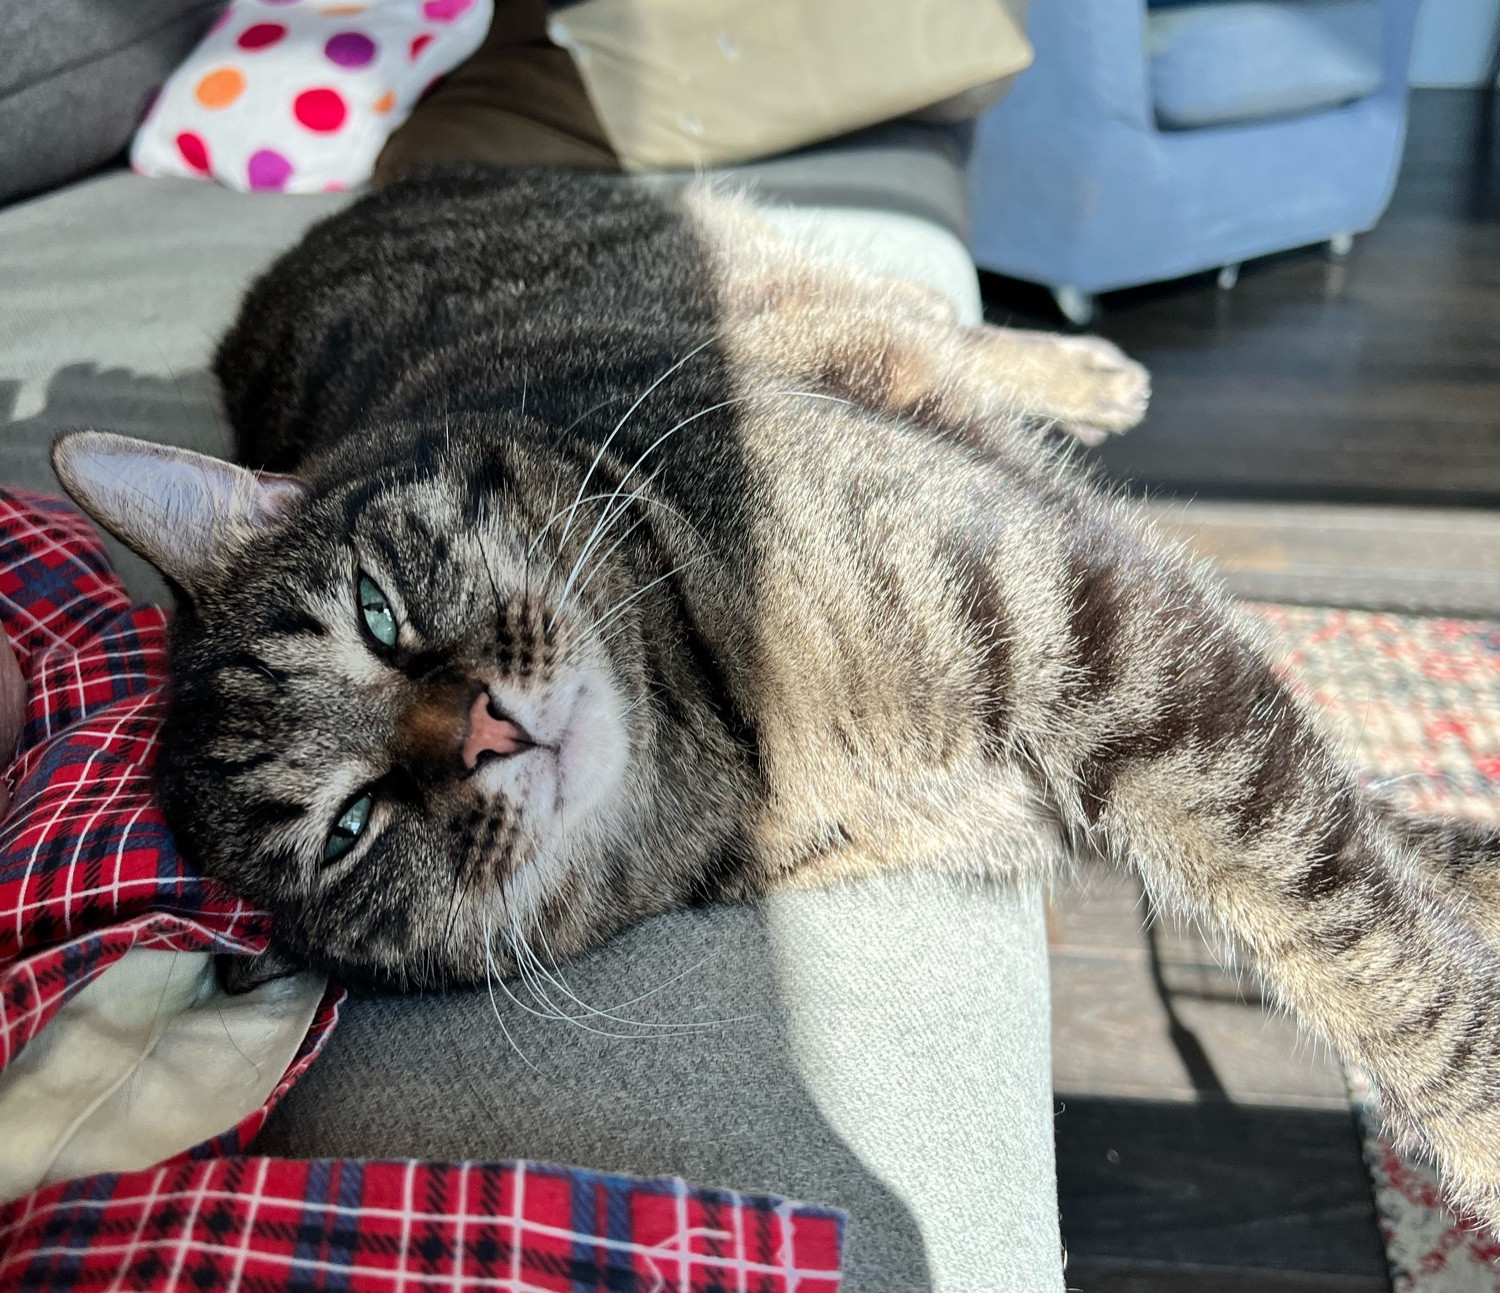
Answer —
882 1047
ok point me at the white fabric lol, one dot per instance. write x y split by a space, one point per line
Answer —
148 1059
299 96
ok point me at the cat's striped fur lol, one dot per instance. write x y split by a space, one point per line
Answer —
778 558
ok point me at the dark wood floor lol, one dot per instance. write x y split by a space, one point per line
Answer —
1375 379
1201 1146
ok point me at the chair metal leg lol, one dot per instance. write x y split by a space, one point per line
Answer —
1076 306
1229 275
1340 245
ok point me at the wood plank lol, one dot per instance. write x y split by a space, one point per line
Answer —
1086 1275
1425 561
1162 1018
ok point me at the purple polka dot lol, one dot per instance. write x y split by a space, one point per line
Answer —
268 169
350 49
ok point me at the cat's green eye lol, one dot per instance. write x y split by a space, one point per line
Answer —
376 609
349 827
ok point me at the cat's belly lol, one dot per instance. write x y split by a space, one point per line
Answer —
881 688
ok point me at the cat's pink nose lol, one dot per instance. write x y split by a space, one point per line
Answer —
491 735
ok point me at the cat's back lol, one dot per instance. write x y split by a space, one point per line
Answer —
456 290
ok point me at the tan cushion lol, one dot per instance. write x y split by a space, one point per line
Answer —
680 84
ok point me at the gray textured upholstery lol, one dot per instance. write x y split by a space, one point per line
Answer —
76 76
887 1049
884 1051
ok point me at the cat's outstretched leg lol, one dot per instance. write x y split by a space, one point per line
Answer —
1460 861
891 344
1173 746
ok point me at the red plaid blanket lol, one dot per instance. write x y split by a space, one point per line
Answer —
88 870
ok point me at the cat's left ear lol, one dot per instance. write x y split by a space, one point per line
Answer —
184 512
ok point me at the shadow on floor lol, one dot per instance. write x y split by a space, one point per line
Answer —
1213 1197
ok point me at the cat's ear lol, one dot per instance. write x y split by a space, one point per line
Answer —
184 512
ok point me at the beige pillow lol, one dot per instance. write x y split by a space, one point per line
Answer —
687 83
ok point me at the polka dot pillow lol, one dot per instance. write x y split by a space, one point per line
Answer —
300 95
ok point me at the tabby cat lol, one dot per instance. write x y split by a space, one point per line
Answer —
596 552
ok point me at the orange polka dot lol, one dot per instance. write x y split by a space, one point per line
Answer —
385 102
220 87
343 9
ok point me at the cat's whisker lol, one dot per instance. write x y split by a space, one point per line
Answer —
531 547
608 553
666 435
532 975
522 974
533 972
638 702
593 408
551 505
460 892
620 606
491 977
609 439
606 519
610 515
650 502
556 517
685 1025
489 573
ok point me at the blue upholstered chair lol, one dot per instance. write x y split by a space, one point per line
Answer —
1146 143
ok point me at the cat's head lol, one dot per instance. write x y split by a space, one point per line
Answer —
400 719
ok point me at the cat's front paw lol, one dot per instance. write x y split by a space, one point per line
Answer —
1086 386
1104 393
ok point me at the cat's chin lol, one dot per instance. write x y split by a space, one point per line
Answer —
579 755
591 750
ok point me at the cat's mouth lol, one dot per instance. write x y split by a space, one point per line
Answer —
561 752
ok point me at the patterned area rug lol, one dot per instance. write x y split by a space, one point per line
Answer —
1418 702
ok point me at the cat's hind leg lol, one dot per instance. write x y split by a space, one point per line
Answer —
1171 745
1460 860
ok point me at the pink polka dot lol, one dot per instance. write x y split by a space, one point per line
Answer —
268 169
350 49
260 35
194 151
419 43
322 109
445 10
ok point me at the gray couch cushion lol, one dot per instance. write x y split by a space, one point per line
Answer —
876 1047
76 76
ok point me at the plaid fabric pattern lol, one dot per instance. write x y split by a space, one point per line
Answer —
88 870
263 1224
